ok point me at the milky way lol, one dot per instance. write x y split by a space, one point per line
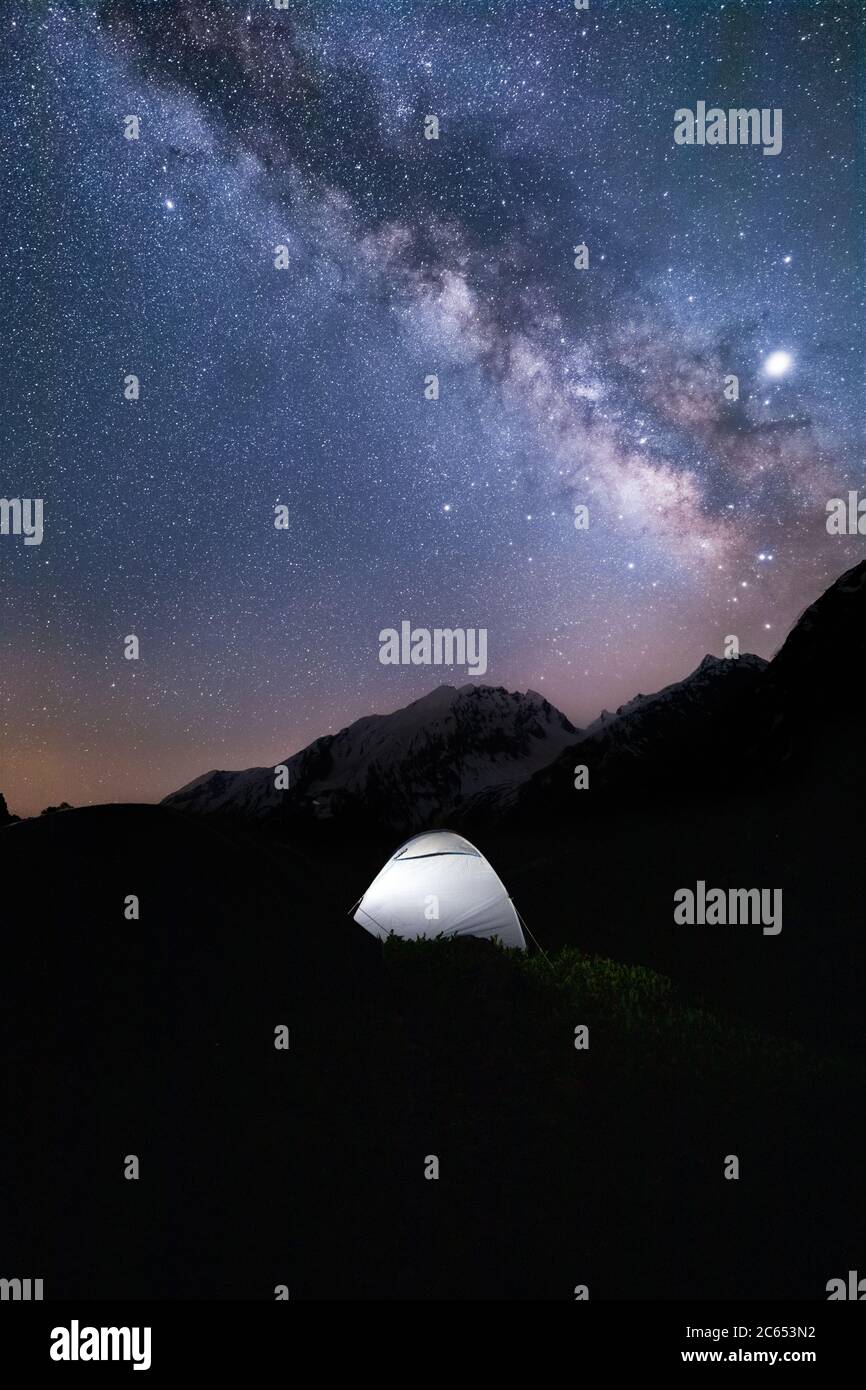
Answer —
559 387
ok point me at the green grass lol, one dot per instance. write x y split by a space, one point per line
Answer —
638 1020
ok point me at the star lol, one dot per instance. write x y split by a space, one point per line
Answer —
778 363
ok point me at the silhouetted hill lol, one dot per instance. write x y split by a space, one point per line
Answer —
815 696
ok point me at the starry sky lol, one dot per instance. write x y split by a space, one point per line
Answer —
407 256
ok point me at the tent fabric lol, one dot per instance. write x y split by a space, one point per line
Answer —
442 870
435 842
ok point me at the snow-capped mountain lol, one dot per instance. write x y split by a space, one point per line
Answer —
470 756
665 741
404 770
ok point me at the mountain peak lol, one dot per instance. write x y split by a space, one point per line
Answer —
402 768
711 671
711 663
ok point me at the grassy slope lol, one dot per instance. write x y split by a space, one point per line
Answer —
561 1166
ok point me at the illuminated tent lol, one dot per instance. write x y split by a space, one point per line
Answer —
438 884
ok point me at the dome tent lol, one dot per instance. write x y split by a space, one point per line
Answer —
437 884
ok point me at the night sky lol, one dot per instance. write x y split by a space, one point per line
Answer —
408 256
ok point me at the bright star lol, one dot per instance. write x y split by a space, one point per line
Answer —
778 363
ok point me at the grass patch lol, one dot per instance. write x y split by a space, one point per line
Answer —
637 1018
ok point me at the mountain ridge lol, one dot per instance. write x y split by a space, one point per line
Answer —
476 751
425 757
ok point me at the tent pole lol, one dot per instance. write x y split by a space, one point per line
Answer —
534 941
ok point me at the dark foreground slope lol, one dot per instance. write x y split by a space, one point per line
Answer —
155 1037
306 1167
